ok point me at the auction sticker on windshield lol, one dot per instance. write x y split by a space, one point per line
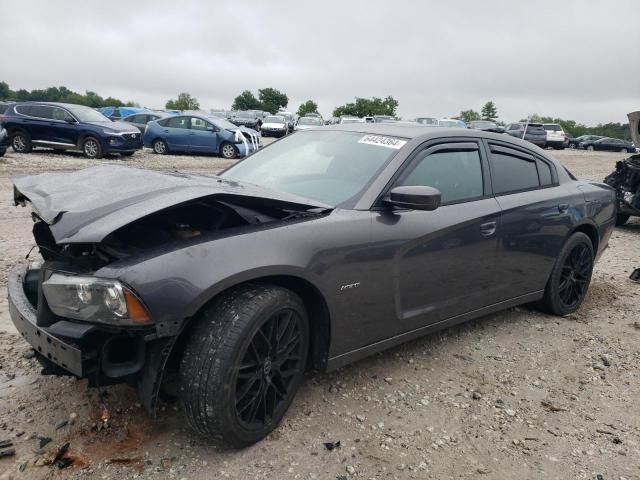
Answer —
381 141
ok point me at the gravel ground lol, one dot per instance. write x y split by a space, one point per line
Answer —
518 394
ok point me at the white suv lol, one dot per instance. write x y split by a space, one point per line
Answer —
556 137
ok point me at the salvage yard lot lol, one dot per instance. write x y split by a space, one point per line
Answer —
518 394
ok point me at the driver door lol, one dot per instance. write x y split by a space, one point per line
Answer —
441 263
203 136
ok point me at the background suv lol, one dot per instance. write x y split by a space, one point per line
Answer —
64 126
556 138
535 133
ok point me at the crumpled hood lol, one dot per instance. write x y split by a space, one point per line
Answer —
87 205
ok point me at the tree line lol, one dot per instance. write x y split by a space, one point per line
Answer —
273 100
61 94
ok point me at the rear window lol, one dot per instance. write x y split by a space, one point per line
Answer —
535 129
553 127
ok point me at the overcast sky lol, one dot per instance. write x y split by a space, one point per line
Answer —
573 59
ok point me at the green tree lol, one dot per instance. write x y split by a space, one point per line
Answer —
184 102
246 101
469 115
363 107
5 92
307 107
489 111
272 100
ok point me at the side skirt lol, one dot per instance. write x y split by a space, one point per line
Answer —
354 355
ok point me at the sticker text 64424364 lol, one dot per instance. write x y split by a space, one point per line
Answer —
382 141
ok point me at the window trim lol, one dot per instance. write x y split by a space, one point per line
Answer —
429 148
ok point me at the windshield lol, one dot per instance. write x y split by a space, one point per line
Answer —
330 167
222 123
274 119
86 114
309 121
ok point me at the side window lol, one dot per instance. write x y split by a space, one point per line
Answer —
178 122
42 111
58 113
456 173
199 124
23 109
512 173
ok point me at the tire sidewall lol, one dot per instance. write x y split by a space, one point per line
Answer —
98 153
244 436
27 142
160 141
222 150
552 292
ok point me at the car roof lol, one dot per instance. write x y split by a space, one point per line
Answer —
54 104
426 132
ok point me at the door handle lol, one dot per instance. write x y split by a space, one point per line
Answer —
563 207
488 229
166 131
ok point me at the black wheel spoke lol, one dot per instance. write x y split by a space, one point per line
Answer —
575 275
271 362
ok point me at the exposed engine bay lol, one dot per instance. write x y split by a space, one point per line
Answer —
626 181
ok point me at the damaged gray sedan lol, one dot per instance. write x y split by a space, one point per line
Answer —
325 247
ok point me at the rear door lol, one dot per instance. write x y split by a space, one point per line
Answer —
176 133
441 262
203 136
35 121
535 219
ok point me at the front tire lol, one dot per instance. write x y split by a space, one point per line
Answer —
21 142
91 148
590 148
570 278
228 151
243 363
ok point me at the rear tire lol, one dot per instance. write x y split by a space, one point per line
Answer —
160 147
243 362
590 148
21 142
91 148
570 278
621 219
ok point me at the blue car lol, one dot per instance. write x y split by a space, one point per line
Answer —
200 134
64 126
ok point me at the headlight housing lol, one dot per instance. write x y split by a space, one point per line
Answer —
94 300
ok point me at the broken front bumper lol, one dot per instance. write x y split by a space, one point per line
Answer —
62 353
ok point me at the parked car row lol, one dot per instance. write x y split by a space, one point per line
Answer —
61 126
607 144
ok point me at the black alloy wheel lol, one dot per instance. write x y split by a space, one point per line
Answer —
270 363
575 276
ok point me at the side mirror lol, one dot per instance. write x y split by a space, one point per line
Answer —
414 197
70 120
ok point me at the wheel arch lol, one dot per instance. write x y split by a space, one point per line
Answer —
88 133
591 231
312 297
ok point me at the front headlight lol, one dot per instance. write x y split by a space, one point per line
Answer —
94 300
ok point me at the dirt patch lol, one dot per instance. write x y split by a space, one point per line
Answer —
517 394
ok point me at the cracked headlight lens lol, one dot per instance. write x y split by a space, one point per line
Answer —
94 300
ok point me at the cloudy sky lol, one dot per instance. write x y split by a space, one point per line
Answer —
573 59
